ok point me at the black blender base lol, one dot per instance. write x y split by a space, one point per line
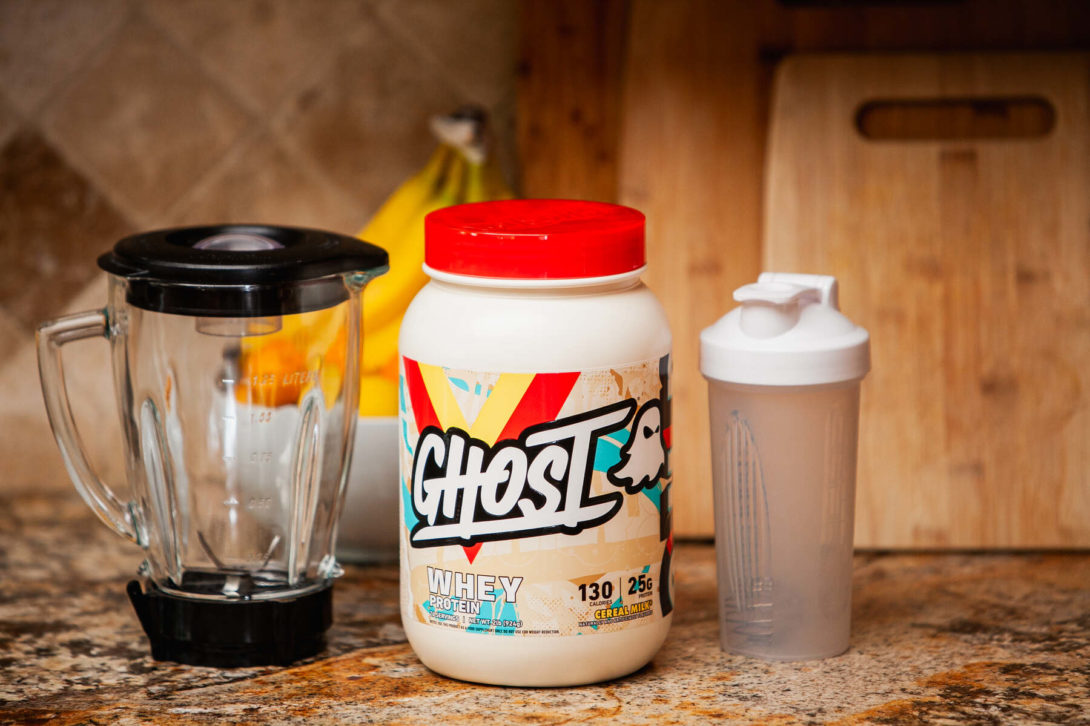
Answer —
232 634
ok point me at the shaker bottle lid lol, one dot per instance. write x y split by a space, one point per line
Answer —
788 331
239 270
534 239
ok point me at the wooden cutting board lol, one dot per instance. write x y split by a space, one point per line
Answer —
966 253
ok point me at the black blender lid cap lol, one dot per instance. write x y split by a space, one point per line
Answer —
239 270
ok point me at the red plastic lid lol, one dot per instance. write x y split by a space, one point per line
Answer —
535 239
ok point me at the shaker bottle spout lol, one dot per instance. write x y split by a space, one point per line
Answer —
772 305
769 308
825 286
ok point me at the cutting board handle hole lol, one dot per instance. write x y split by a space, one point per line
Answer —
940 119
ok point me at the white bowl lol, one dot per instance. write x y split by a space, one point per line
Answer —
368 529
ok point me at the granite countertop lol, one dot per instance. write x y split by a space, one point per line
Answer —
974 638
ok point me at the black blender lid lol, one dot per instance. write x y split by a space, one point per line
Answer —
239 270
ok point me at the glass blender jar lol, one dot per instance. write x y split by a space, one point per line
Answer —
235 354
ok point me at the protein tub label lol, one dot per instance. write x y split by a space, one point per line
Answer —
536 504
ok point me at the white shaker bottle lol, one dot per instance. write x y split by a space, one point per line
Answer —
784 371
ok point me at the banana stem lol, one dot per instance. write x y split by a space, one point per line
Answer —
449 186
464 132
438 166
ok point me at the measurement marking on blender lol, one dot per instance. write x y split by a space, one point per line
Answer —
299 378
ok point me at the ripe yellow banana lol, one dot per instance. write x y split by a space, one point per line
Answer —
380 347
485 183
378 395
399 228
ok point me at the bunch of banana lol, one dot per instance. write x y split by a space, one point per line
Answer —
458 171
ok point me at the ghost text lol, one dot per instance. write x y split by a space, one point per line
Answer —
465 491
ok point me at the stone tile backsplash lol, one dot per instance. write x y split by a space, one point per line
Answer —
44 42
262 51
123 115
53 223
145 120
342 116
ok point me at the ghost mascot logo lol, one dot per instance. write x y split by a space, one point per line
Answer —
465 491
643 458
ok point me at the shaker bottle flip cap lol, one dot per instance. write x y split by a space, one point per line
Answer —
788 331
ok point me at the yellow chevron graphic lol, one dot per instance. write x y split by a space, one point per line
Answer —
494 415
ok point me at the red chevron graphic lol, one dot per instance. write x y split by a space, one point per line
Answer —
423 411
541 402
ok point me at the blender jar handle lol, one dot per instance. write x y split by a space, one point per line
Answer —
51 336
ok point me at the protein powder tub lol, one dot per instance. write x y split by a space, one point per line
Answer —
536 533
